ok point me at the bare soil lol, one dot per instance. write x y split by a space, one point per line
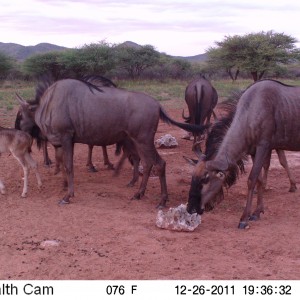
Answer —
104 234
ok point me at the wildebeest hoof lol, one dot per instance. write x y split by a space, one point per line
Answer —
137 196
160 206
110 167
92 169
24 195
63 202
293 189
48 163
254 218
243 225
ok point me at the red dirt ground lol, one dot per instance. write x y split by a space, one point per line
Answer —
103 234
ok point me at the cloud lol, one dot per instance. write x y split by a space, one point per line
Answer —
176 27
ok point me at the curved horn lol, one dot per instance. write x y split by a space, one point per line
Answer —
21 100
196 148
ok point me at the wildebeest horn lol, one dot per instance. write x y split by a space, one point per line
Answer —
196 148
213 165
191 161
21 100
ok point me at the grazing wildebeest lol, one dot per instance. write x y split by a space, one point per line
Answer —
71 111
18 143
216 135
201 98
267 117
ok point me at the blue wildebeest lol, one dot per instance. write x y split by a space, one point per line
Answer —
71 111
201 98
266 118
18 143
99 81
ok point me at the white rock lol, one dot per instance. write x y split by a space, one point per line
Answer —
166 141
177 219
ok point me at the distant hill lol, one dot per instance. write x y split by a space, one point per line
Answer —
21 52
195 58
130 44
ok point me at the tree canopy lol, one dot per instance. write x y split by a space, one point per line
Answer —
6 65
255 53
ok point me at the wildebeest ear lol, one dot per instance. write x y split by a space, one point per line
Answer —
213 165
21 100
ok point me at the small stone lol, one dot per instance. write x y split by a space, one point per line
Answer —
50 243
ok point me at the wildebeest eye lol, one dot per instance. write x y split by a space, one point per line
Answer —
205 178
221 175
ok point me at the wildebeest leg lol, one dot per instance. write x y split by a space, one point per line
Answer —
147 153
135 178
161 169
68 153
130 152
59 163
262 151
89 163
283 162
33 164
22 162
106 159
260 203
135 161
146 174
266 167
47 160
149 157
120 164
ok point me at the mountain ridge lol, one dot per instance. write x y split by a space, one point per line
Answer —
21 52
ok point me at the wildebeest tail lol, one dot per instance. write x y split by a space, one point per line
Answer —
188 127
198 91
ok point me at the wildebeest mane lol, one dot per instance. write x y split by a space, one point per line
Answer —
216 136
94 82
98 81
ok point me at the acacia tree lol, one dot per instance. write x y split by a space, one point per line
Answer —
6 65
135 60
95 58
255 53
39 64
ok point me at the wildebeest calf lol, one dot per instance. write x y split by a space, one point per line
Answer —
18 143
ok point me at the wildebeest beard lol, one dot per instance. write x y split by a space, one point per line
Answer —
194 203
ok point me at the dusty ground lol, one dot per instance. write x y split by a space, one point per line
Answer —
104 234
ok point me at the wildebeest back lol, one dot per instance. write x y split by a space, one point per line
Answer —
72 106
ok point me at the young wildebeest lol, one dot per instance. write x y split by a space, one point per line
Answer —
72 111
201 98
266 118
18 143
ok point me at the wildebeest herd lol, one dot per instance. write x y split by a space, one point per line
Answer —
95 112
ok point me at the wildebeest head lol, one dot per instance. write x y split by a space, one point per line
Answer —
25 116
206 188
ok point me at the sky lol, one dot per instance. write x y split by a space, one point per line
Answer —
175 27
